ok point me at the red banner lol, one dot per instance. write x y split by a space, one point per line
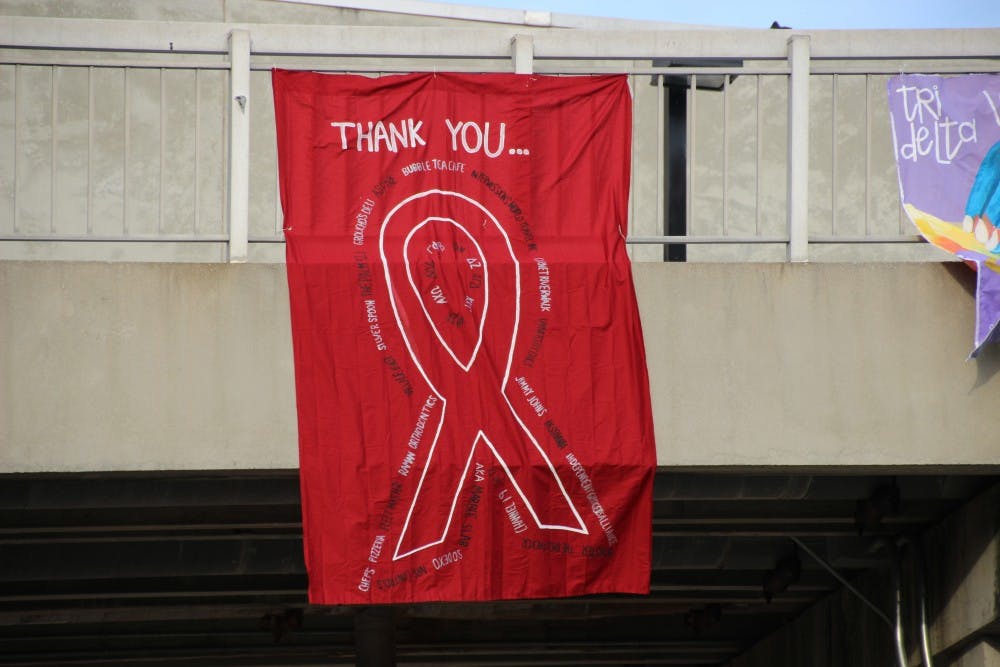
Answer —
474 418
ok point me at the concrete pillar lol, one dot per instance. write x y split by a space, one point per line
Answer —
375 636
982 654
963 572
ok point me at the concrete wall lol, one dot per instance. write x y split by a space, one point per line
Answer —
139 366
982 654
842 365
126 366
963 582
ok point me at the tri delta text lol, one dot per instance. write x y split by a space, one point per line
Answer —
393 136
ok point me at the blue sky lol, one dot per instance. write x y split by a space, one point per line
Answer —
803 14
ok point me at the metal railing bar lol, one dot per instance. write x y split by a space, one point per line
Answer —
27 57
113 64
910 67
823 240
679 71
503 65
635 240
907 238
659 240
74 238
343 65
631 240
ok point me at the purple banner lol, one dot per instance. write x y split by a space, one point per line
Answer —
946 135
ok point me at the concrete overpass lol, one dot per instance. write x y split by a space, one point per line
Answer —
808 361
841 367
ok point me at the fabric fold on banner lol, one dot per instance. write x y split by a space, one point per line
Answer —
946 136
473 403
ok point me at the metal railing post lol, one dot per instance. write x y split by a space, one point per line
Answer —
523 52
798 149
239 144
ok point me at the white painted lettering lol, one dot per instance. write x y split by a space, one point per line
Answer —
453 129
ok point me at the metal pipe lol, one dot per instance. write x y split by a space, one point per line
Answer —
100 238
902 238
921 568
897 588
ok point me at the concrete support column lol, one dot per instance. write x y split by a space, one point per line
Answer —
375 636
982 654
963 571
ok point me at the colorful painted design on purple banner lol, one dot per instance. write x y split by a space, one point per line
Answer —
946 136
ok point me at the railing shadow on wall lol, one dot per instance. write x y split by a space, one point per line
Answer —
154 141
